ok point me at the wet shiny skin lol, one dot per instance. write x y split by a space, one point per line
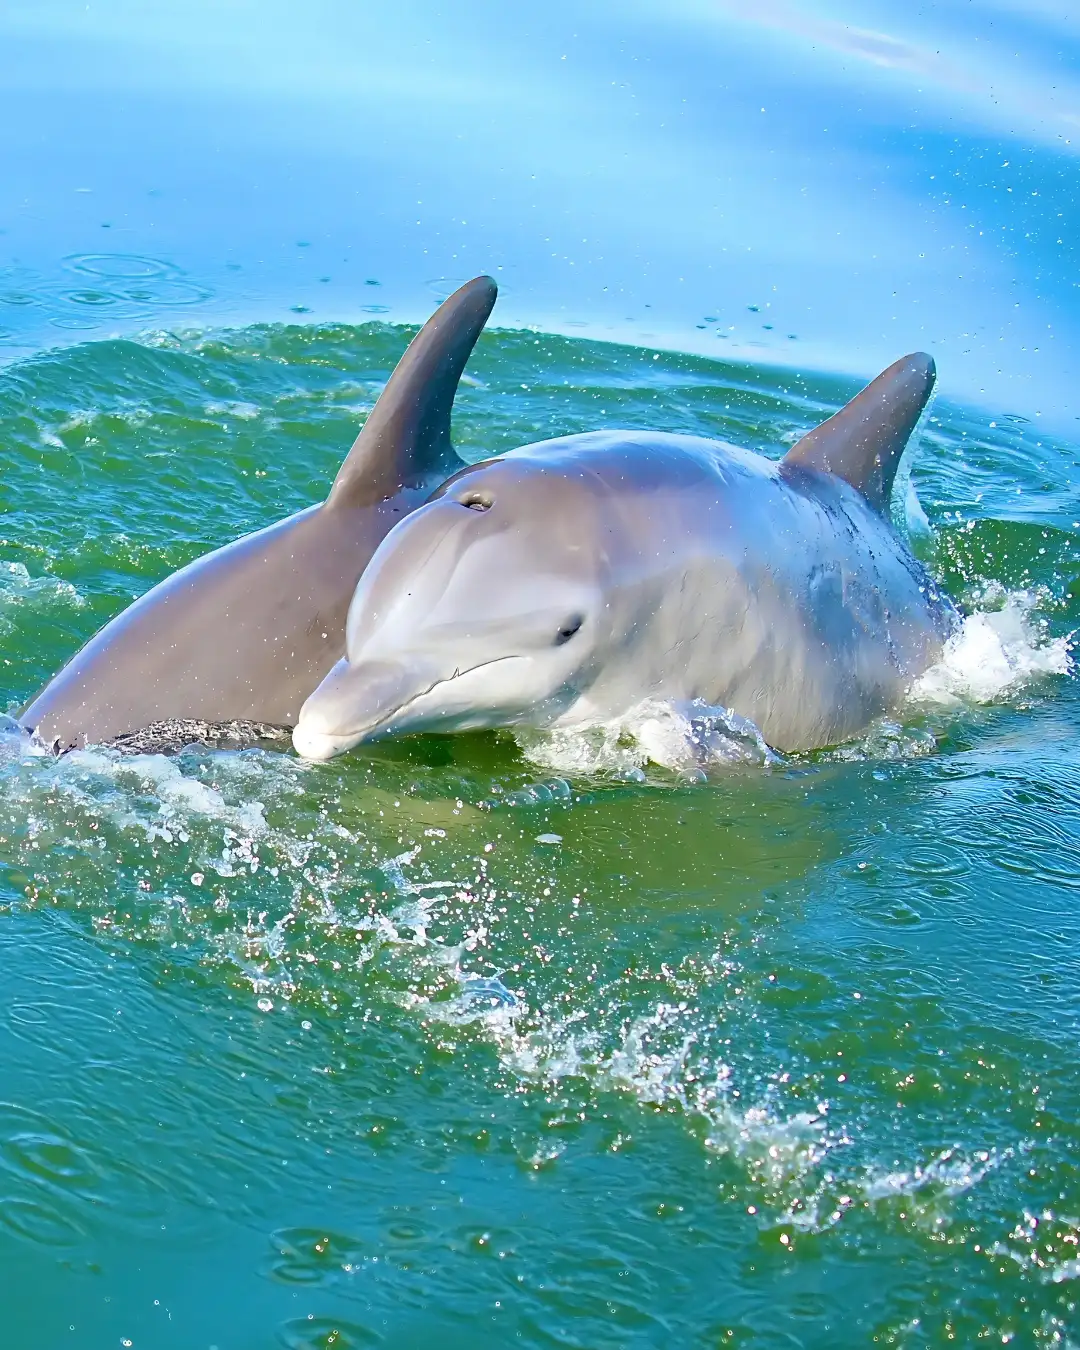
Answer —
615 567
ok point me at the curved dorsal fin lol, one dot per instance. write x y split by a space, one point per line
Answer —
406 437
864 441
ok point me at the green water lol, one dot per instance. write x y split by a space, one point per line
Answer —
447 1039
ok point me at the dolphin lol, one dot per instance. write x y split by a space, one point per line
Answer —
567 581
234 642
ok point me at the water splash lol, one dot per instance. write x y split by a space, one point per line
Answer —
19 589
688 739
999 648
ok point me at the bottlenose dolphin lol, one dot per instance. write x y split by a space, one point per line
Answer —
239 638
567 581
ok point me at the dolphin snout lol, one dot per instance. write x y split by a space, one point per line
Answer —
349 704
319 745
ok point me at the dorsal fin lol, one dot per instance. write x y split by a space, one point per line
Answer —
406 437
864 441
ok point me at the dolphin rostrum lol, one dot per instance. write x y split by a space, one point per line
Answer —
565 582
239 638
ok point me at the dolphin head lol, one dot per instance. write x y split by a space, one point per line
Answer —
484 605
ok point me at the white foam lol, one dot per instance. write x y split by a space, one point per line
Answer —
151 792
777 1151
950 1173
996 651
659 1061
245 411
18 588
220 825
687 739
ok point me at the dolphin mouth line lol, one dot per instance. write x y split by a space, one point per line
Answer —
385 723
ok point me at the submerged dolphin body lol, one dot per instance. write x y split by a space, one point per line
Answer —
243 634
565 582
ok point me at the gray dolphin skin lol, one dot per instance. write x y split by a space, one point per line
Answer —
567 581
243 634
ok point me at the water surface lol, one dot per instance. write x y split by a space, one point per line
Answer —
817 183
532 1040
542 1044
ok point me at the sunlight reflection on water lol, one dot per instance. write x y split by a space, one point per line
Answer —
813 183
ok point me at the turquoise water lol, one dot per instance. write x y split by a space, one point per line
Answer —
870 177
534 1041
455 1035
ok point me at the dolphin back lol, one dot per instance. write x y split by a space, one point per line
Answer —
864 442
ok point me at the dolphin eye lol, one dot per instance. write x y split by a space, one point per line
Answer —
477 501
569 628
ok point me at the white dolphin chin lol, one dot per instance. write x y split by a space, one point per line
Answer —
320 745
331 721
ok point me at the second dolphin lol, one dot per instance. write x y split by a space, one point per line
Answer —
568 581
